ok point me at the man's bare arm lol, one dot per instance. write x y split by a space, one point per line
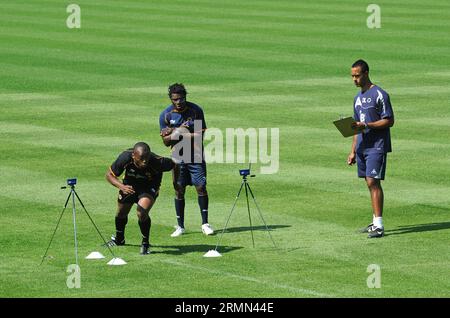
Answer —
379 124
351 159
111 178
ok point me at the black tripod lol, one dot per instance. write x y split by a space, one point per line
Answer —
244 184
73 194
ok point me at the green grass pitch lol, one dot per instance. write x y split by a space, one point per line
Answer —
72 99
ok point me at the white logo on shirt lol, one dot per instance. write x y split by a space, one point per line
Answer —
358 102
380 98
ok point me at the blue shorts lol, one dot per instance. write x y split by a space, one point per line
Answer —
190 174
371 165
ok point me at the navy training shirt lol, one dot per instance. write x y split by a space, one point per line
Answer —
170 117
373 105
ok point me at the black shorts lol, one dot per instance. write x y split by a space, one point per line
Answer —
149 191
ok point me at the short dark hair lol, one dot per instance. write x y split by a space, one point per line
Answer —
362 64
177 88
143 149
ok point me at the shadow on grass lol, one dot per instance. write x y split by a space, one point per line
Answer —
185 249
248 228
419 228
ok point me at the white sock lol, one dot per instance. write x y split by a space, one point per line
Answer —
378 222
373 218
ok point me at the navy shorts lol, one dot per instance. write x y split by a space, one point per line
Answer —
371 165
190 174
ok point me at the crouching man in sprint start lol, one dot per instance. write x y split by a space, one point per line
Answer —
140 185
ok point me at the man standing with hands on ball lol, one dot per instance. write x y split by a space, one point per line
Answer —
183 123
374 116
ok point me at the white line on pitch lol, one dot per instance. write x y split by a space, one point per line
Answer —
248 278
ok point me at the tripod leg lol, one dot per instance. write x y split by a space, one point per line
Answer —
57 224
231 212
74 225
259 211
93 223
248 209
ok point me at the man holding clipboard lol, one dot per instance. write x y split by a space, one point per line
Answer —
373 116
347 126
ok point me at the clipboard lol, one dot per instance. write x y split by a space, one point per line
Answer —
344 125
